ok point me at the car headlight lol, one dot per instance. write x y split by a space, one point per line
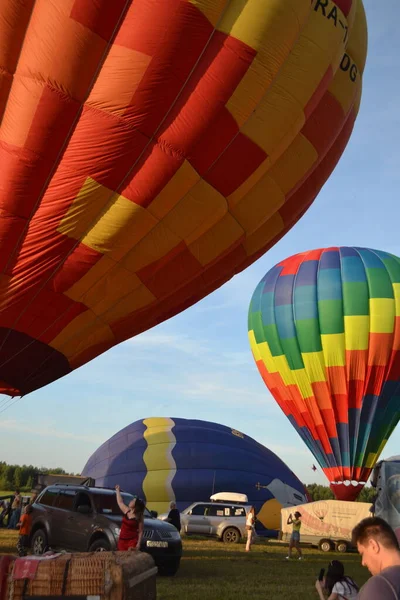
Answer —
175 535
117 531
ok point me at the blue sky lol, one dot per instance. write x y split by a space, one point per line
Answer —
199 365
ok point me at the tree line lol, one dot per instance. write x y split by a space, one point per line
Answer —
323 492
22 477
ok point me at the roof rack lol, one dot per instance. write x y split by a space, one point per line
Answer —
85 483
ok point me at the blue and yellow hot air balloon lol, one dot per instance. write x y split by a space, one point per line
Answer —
324 328
165 459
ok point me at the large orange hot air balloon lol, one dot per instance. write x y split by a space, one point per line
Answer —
149 151
324 328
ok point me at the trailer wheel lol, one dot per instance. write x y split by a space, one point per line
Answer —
342 546
325 545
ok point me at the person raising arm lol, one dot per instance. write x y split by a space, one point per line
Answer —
132 522
295 537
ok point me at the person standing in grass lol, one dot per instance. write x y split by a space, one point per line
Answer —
174 516
15 511
295 537
132 523
250 527
24 526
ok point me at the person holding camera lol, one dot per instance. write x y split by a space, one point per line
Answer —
335 585
295 537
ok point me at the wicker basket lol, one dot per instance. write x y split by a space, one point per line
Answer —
105 575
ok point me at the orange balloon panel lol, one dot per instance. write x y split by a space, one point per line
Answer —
151 150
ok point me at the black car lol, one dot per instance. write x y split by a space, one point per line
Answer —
80 518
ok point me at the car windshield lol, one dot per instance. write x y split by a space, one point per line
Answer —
106 504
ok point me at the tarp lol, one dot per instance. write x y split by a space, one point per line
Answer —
387 481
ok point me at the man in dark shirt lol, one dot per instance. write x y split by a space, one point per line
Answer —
174 516
380 553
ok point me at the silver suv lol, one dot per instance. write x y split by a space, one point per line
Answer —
224 520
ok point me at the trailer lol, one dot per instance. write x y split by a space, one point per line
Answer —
326 523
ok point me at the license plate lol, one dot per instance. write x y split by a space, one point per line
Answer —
151 544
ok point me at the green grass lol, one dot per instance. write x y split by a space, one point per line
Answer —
211 570
8 541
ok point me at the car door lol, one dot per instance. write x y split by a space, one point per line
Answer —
198 521
44 511
62 512
79 524
216 514
238 518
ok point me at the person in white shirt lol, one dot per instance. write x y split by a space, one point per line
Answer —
250 526
336 585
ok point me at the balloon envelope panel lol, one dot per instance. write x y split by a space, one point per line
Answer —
151 150
188 460
324 328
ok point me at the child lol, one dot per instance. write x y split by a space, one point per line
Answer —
336 585
24 526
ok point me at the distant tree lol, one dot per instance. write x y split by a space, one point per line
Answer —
17 478
319 492
22 476
323 492
6 478
367 494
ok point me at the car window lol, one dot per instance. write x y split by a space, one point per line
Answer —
48 497
107 504
65 499
82 499
199 509
238 511
217 510
226 510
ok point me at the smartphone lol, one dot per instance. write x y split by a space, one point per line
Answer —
321 574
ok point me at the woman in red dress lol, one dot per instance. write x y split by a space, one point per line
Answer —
132 523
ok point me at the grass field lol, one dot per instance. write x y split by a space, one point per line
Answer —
213 571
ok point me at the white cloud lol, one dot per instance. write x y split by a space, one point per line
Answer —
289 450
47 431
161 341
207 387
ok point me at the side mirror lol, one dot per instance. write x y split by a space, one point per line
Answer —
154 513
84 509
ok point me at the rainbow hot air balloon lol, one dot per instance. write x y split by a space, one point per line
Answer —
151 150
324 328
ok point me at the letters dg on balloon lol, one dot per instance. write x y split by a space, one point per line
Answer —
151 150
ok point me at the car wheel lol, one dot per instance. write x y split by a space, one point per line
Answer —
100 545
325 545
231 535
342 546
169 569
39 542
